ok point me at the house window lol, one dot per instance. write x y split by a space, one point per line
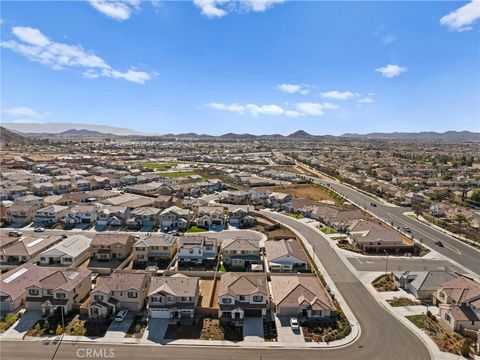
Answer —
67 259
226 301
242 298
60 295
33 292
209 248
132 294
258 298
447 317
98 297
42 258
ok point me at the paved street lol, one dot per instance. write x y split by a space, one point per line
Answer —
400 264
391 338
453 249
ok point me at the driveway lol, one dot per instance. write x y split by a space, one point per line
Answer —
156 330
18 330
118 329
285 332
253 329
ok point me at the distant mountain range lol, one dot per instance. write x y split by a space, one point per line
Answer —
8 137
424 135
86 130
50 128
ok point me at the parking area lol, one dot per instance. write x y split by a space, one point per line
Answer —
285 332
253 329
156 330
118 329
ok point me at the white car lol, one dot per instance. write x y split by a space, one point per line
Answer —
294 324
121 315
39 229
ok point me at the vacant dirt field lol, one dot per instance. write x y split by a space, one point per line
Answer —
313 192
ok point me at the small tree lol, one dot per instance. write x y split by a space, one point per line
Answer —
59 330
465 349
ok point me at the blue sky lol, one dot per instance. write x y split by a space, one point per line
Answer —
259 67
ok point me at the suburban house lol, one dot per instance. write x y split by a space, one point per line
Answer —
155 247
285 255
242 295
174 297
240 216
144 216
241 253
43 189
422 284
458 301
301 296
60 289
14 283
382 239
236 197
71 251
20 214
211 217
50 214
196 249
175 217
27 248
81 214
35 201
112 216
360 227
119 290
112 246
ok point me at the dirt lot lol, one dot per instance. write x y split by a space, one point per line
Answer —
205 290
309 191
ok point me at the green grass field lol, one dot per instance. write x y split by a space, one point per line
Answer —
196 229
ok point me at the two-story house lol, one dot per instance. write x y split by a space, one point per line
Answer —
242 295
20 214
60 289
241 253
240 216
154 248
196 249
111 246
81 214
120 290
174 297
458 301
51 214
113 216
35 201
174 217
211 217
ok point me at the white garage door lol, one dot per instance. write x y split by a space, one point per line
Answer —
159 314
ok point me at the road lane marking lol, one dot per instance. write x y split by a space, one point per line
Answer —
425 234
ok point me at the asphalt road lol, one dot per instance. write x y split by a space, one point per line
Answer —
400 264
382 336
453 249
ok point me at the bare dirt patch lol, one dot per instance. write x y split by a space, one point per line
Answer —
309 191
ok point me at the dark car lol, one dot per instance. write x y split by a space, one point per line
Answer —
439 243
373 204
407 229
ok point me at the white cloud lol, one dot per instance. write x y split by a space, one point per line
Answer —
117 9
337 95
366 100
309 108
293 113
301 89
22 111
462 18
220 8
236 108
289 88
256 110
58 56
330 106
390 71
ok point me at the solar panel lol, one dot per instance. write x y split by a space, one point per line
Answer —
69 241
15 275
73 275
33 243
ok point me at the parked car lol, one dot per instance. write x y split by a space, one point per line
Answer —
294 324
373 204
15 233
407 229
39 229
121 315
439 243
